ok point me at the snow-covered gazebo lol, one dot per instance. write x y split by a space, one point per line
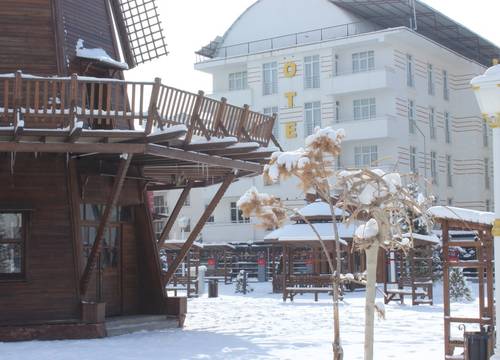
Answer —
453 218
303 263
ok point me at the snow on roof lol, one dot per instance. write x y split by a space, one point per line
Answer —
213 140
177 244
171 129
320 208
220 244
98 54
432 238
461 214
303 232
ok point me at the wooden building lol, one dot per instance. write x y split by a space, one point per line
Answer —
80 148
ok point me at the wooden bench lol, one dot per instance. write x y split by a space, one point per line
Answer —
419 291
290 292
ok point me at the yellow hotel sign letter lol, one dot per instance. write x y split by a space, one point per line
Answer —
290 69
291 130
290 96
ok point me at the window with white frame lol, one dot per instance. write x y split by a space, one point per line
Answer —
488 205
411 116
413 160
449 171
485 134
446 89
363 61
269 111
312 116
365 155
430 79
158 228
410 71
211 218
159 205
487 173
434 168
311 72
237 214
432 122
270 78
238 81
447 127
364 109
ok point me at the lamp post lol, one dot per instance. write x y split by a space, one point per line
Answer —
487 90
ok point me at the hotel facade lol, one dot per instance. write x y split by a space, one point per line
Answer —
394 75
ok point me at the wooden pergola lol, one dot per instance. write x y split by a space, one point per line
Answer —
452 218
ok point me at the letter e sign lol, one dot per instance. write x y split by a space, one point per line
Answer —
291 130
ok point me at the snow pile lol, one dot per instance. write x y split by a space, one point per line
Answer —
290 160
99 55
367 230
461 214
325 135
320 208
251 195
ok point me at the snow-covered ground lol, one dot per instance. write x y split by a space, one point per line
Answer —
260 326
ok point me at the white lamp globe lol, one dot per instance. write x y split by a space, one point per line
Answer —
487 90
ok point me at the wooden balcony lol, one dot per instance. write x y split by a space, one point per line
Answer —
59 107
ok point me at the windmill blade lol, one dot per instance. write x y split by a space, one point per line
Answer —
140 30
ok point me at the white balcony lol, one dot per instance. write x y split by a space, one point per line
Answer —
364 81
387 126
235 97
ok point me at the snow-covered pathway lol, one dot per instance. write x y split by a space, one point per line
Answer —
260 326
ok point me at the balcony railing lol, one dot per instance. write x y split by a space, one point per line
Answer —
300 38
111 104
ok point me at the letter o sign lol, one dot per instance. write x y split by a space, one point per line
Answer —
290 69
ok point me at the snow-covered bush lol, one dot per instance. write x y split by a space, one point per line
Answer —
459 290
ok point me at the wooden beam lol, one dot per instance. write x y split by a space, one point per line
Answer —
75 134
152 110
197 229
175 213
195 117
172 153
242 120
218 118
78 148
112 200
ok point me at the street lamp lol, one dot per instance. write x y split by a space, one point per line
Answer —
487 90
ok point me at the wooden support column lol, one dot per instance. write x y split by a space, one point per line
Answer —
152 110
197 229
218 125
195 117
112 200
175 213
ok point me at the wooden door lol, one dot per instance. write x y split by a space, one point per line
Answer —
111 271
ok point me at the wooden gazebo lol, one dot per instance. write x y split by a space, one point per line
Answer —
410 274
80 148
452 218
303 267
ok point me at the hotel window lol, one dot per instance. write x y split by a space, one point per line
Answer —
312 116
238 81
187 228
364 109
432 123
336 65
446 89
269 111
485 134
413 160
363 61
486 173
410 71
430 79
159 205
434 169
237 214
270 78
488 205
447 127
12 245
337 111
365 156
411 116
158 227
311 72
449 171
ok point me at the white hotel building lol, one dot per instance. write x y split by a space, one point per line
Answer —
393 73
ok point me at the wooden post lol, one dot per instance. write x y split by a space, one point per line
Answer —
195 117
112 200
197 229
152 110
218 125
18 84
242 120
175 213
73 93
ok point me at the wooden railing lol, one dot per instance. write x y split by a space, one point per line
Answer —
62 102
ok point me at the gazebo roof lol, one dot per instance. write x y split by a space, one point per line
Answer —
176 244
462 215
304 233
